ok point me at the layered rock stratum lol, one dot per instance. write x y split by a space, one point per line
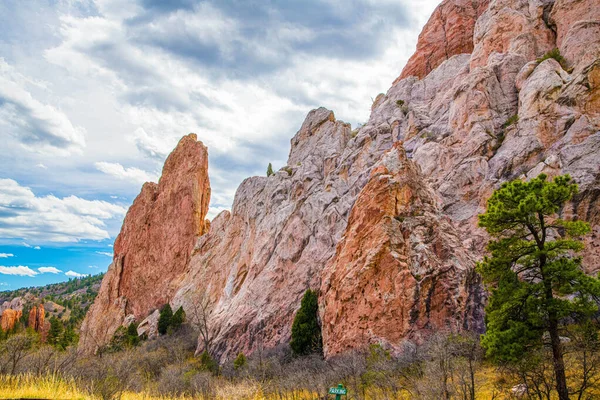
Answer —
381 220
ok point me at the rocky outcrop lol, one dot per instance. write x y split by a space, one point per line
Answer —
153 249
448 32
258 260
382 219
36 317
149 326
9 319
400 270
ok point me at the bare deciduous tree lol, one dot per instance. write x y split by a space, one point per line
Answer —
199 317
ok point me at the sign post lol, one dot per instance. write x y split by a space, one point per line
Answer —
339 391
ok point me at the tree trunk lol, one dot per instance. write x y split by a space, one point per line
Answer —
559 365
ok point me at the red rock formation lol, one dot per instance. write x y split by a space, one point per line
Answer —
153 249
9 318
408 238
448 32
37 317
400 270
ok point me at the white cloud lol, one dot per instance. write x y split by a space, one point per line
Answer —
52 219
18 270
51 270
39 127
6 255
75 274
131 174
37 248
42 166
93 266
104 253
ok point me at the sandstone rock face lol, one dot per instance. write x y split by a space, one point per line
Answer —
36 319
513 26
153 250
400 269
383 220
448 32
9 318
258 260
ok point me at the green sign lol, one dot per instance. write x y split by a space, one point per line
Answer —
339 390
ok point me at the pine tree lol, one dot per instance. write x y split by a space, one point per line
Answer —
132 336
164 320
535 280
67 338
54 334
178 319
306 332
270 170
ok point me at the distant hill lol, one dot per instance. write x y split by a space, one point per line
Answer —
66 301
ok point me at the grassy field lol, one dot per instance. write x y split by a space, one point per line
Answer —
52 387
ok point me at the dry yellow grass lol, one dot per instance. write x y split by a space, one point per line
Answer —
53 387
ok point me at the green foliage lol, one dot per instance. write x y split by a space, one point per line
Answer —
288 169
511 121
399 103
178 319
534 276
208 363
270 170
555 54
55 332
164 320
68 338
306 332
240 361
132 336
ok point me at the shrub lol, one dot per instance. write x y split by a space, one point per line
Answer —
240 361
208 363
555 54
511 121
270 170
306 332
164 320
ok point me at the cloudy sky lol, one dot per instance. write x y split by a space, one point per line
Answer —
95 93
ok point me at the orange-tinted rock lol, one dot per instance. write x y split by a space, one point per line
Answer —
577 24
515 26
400 270
448 32
154 246
37 316
566 13
9 318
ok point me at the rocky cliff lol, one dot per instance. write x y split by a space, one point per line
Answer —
382 219
153 249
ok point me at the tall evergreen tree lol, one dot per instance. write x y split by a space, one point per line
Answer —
55 332
270 170
178 318
534 278
164 319
306 332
